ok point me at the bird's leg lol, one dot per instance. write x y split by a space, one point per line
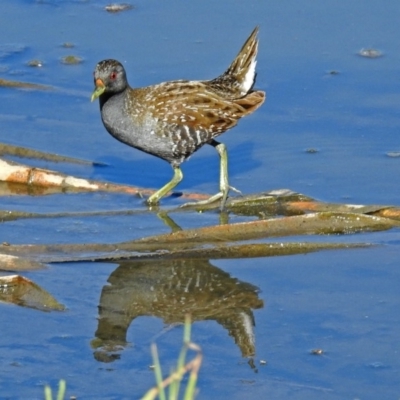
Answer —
223 178
155 197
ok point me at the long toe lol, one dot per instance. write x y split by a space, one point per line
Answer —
210 200
235 190
223 194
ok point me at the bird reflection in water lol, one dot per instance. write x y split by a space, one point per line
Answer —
169 289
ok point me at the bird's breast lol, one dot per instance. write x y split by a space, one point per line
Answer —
136 128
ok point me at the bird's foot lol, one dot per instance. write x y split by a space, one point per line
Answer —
235 190
223 194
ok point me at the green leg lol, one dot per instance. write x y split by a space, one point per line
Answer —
223 173
155 197
223 179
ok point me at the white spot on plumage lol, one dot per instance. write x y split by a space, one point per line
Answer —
249 77
186 128
198 137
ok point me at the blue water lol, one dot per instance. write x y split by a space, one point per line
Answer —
344 302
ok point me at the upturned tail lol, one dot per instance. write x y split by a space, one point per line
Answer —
239 78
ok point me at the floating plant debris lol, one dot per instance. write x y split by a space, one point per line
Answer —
35 63
68 45
393 154
370 53
317 352
71 60
114 8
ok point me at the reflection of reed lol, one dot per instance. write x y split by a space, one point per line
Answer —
169 289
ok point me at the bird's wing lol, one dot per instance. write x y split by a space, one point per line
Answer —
194 105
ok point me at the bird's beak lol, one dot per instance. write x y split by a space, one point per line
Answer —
99 90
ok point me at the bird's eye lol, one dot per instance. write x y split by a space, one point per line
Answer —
113 75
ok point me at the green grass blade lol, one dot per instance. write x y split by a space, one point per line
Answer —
191 386
62 386
158 372
183 352
47 393
187 329
173 390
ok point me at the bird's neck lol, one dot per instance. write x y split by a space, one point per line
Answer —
107 96
104 98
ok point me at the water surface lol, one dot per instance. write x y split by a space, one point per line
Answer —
344 302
